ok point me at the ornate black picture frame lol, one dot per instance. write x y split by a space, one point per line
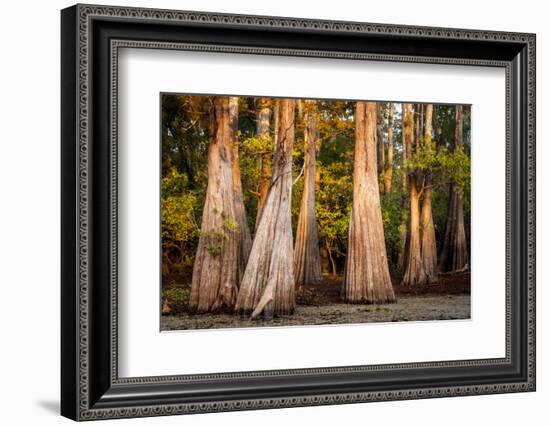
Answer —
91 37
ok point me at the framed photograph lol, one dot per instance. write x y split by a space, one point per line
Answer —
263 212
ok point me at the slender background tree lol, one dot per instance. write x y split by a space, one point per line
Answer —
406 151
414 272
244 238
388 167
263 116
428 244
307 260
454 253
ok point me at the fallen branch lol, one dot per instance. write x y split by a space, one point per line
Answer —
456 271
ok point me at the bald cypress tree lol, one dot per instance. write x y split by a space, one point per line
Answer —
428 244
367 276
454 252
414 265
263 118
307 259
406 151
388 167
244 238
216 268
267 287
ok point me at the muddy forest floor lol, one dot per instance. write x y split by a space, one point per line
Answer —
447 299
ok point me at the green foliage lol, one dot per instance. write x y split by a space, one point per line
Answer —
256 145
446 166
334 195
457 166
177 298
179 230
214 240
230 226
173 183
427 159
177 218
334 202
392 217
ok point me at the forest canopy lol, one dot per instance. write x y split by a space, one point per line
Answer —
230 163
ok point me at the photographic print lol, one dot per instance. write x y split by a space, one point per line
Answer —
285 212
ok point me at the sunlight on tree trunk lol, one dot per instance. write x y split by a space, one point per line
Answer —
454 252
419 122
381 149
307 260
414 273
267 287
263 116
388 168
406 151
367 277
245 240
428 245
215 272
414 268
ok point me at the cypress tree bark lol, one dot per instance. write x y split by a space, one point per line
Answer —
417 112
381 163
245 240
215 271
307 259
388 169
406 151
428 245
263 116
267 286
414 266
414 272
454 251
367 277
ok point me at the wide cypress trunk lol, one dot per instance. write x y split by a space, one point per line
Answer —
307 259
245 240
428 245
388 169
263 115
454 251
414 267
267 286
215 272
367 276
